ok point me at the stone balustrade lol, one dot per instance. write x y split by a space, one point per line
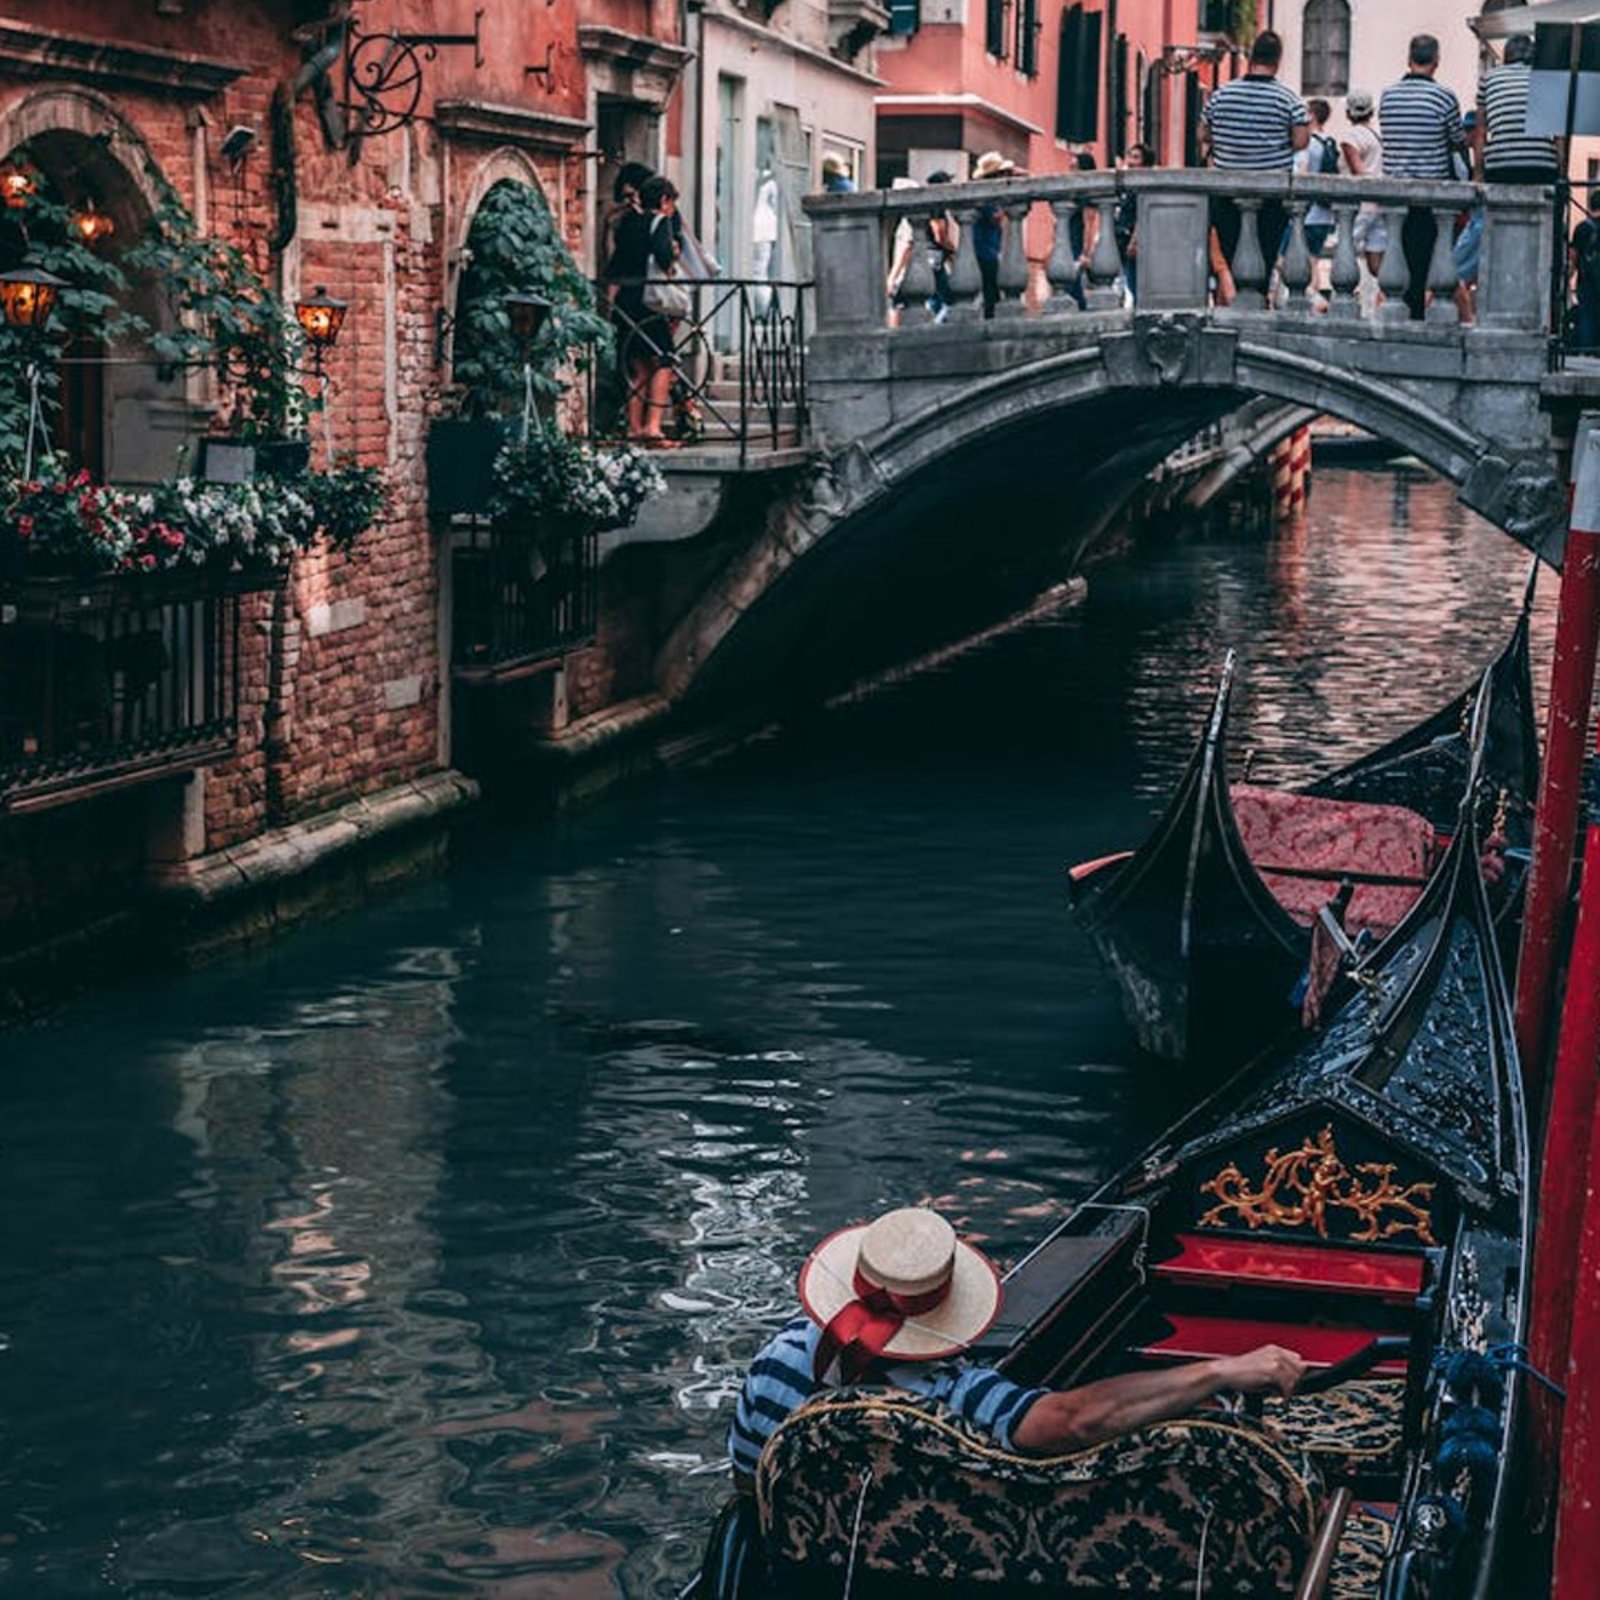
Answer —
854 245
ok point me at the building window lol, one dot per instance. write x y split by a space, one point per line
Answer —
905 16
1027 53
994 27
1078 77
1325 47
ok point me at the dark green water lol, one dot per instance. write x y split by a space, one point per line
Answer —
421 1256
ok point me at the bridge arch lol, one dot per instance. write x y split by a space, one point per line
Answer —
1133 396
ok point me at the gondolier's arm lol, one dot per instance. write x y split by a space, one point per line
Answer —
1076 1419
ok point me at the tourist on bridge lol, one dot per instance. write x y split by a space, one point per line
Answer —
1254 124
1584 265
1362 150
1422 132
1507 152
895 1302
988 227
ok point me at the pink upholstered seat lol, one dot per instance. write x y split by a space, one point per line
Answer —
1319 841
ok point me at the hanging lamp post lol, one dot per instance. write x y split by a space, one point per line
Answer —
527 314
28 295
320 318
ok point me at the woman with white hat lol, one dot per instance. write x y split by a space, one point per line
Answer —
896 1301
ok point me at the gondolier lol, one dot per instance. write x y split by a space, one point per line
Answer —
897 1301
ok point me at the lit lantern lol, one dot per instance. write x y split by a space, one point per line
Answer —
320 319
91 226
528 314
28 296
18 186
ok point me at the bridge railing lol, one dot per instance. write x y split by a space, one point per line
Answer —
1176 212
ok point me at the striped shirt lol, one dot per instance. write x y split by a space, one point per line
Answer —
780 1380
1250 122
1421 122
1503 106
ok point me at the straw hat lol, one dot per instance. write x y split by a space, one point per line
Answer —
991 164
833 164
914 1256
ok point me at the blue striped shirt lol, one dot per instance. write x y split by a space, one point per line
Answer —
1252 121
1421 123
780 1380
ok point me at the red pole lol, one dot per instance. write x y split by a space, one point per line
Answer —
1577 1554
1555 827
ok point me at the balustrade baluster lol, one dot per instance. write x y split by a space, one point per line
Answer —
1062 267
1013 276
1346 276
1442 278
1105 260
916 287
1297 268
1249 268
966 281
1393 275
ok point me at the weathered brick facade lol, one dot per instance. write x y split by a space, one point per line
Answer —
342 687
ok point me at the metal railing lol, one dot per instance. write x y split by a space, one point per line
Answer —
114 680
1273 271
738 365
522 594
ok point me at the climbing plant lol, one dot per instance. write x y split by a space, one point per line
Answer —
514 247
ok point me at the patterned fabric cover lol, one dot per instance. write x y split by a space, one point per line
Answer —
1358 1563
945 1511
1303 831
1358 1427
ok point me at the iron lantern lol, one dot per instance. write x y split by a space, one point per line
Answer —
91 226
28 295
528 314
320 318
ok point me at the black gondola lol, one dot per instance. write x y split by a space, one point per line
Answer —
1206 927
1361 1197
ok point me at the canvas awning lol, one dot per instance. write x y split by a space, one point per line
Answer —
1523 19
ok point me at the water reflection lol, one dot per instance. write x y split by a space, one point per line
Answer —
422 1256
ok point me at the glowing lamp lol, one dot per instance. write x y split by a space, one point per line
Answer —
28 295
91 226
17 186
320 318
528 314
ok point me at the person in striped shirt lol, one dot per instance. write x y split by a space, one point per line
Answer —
1507 152
1254 124
895 1302
1422 131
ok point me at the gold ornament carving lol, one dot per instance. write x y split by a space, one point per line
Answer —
1303 1185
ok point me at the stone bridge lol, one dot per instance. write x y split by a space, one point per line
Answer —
1057 412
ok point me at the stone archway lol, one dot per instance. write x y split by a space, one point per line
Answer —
122 417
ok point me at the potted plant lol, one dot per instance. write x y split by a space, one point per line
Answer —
550 477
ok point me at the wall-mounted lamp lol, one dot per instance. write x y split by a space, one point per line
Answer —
89 226
320 318
28 295
18 185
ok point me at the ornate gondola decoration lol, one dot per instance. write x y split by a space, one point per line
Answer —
1383 1478
1303 1184
1206 927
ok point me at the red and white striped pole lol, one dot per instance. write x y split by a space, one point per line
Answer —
1567 1165
1555 826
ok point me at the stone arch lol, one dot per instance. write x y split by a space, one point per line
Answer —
506 163
859 480
127 420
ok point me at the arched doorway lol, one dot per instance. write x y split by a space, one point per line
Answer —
112 408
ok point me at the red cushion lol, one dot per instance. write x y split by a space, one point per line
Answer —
1195 1337
1377 1274
1330 838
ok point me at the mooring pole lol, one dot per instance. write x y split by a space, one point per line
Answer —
1577 1555
1555 826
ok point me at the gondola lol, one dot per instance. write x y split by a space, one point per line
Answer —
1360 1196
1206 927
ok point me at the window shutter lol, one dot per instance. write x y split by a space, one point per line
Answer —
994 28
905 16
1087 105
1117 133
1066 67
1028 37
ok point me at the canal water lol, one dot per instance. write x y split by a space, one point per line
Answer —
421 1255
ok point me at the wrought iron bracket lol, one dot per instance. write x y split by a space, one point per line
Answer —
543 71
383 74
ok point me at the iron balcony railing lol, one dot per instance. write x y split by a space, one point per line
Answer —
738 362
523 594
109 681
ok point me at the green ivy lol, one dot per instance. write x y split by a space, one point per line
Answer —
514 247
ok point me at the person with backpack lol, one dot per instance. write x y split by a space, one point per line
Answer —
1320 157
1584 265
